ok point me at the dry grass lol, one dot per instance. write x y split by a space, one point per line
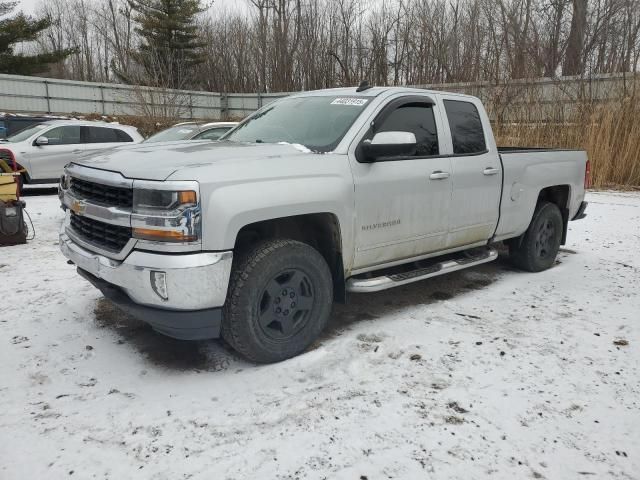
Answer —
610 133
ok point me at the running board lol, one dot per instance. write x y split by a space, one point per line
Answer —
375 284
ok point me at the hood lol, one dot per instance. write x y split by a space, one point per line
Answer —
158 161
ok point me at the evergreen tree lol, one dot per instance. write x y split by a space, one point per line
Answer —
23 29
169 48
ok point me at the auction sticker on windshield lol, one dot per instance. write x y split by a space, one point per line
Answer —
354 102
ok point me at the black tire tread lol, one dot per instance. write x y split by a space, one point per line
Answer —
523 256
241 271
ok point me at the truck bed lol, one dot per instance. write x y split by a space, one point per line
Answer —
525 170
533 149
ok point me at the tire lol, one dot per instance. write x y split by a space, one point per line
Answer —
541 241
279 300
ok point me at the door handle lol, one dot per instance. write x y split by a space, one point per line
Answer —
491 171
439 175
76 151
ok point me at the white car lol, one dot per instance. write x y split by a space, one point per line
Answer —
41 151
192 131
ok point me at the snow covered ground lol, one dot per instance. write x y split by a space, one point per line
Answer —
489 372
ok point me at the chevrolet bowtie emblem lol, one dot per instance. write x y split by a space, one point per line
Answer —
78 207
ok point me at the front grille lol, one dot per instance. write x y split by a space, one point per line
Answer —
104 194
103 235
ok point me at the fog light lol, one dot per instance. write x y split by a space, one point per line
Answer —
159 284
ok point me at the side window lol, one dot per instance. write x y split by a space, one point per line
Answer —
418 119
213 134
69 135
102 135
466 127
123 136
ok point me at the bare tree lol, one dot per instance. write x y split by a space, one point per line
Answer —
573 62
282 45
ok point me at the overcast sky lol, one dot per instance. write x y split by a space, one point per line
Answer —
29 6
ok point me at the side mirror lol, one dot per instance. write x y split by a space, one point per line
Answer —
40 141
388 145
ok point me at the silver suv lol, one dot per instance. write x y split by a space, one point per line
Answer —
192 131
41 151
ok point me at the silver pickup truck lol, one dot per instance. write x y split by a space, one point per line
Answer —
322 193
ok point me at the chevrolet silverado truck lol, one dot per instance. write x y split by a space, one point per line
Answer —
252 238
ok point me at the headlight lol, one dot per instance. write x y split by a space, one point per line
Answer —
163 201
65 181
63 186
166 215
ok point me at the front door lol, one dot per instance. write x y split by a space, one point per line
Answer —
402 204
48 161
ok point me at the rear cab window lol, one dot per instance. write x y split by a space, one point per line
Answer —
467 133
123 136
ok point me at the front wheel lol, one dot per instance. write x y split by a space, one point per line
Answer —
279 300
541 241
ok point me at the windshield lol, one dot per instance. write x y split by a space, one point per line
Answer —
318 123
172 134
26 133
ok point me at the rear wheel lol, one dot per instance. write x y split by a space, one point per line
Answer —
541 241
279 300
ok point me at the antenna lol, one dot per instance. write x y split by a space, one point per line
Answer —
364 85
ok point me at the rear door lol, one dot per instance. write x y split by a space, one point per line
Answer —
402 204
48 161
476 172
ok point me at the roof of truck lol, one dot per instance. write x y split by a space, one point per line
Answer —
371 92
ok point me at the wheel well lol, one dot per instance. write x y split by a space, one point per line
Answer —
320 230
559 195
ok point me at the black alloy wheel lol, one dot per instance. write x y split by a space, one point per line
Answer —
285 305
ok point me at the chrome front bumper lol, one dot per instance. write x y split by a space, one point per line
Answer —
194 281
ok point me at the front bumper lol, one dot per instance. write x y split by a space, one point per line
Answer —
195 282
180 324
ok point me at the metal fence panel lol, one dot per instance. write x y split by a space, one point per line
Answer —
47 95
